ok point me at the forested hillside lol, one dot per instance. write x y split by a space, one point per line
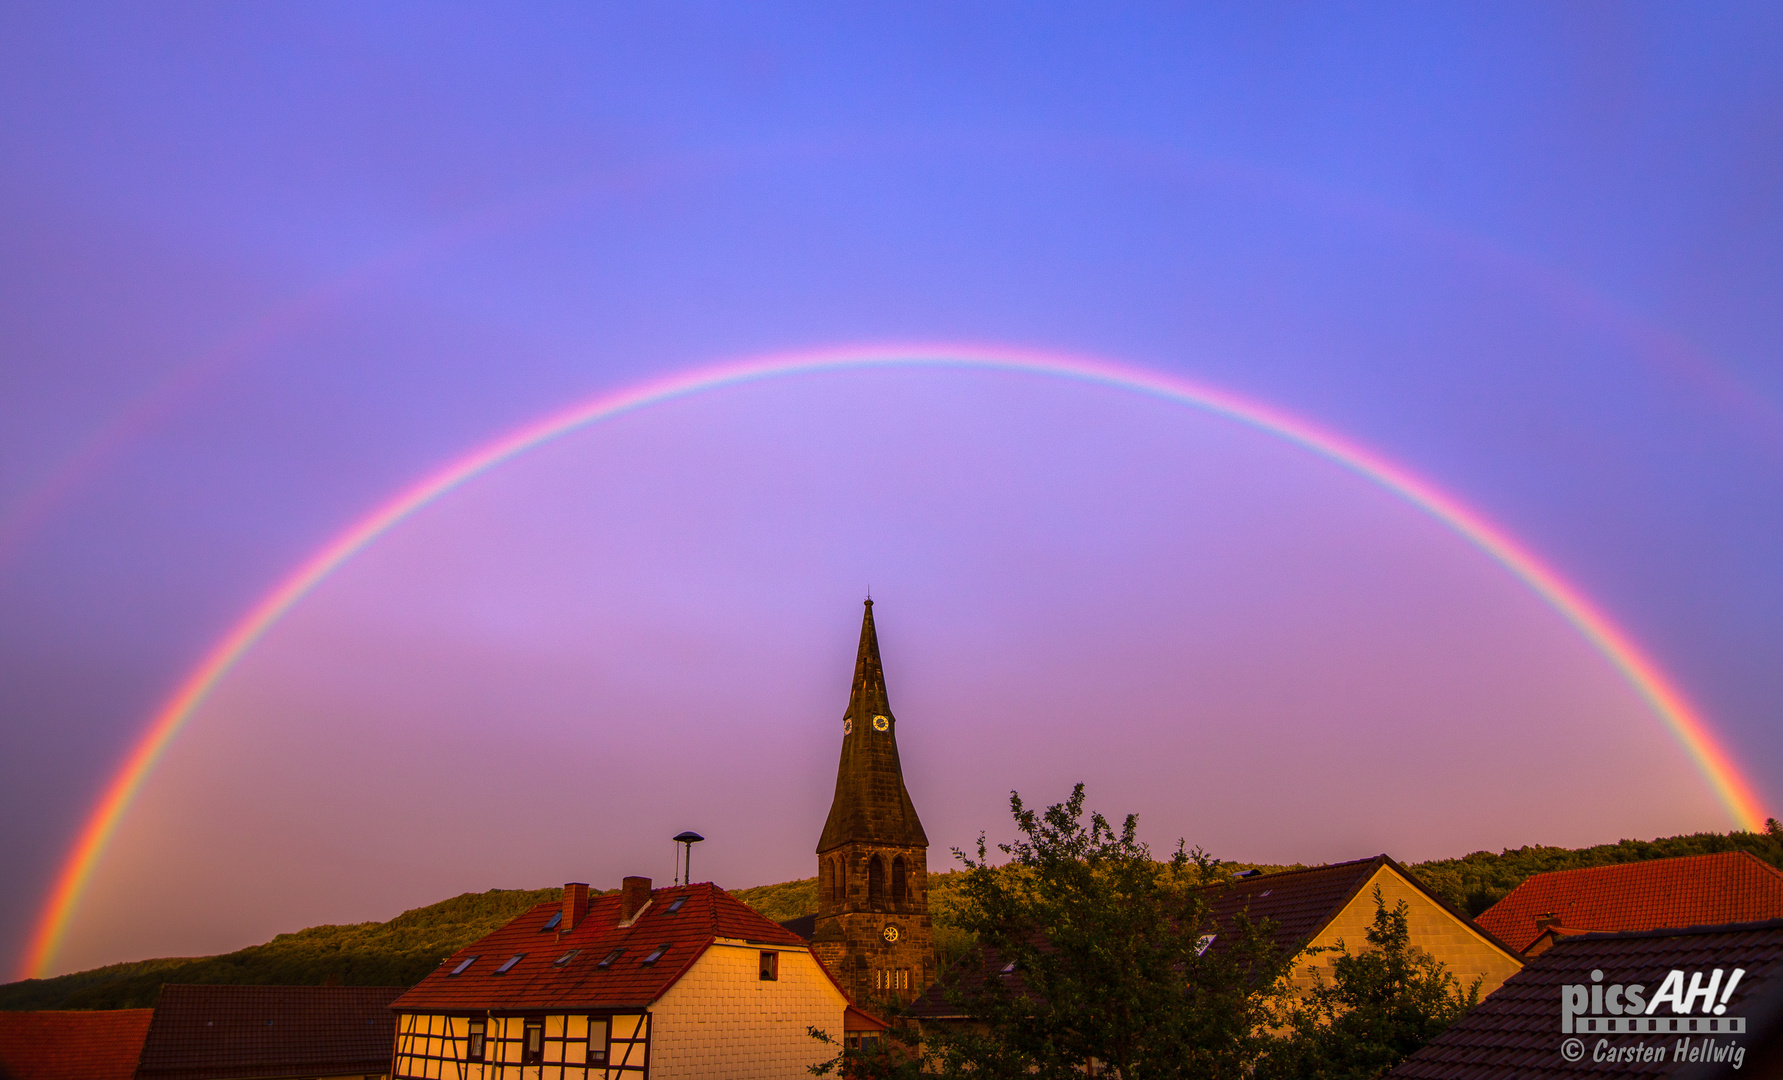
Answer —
401 951
394 953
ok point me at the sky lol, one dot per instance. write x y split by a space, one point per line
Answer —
263 269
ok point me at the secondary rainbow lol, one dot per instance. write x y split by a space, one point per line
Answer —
1687 725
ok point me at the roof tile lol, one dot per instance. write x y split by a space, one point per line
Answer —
1696 890
1516 1032
69 1045
536 981
212 1032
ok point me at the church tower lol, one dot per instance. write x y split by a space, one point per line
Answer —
873 930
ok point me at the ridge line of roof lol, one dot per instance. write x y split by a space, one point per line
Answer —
1673 931
1638 863
1302 870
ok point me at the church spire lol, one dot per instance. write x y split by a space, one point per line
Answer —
871 804
867 698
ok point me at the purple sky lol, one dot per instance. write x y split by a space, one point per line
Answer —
264 267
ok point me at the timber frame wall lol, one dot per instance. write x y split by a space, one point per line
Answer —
432 1046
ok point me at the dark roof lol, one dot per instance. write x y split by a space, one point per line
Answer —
871 803
213 1032
1696 890
804 925
538 982
1301 902
1515 1032
72 1045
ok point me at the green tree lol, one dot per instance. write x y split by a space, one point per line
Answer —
1090 949
1379 1006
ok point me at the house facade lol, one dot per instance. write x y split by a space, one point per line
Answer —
641 985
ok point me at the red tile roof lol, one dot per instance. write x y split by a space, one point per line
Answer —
213 1032
1698 890
538 982
1515 1032
72 1045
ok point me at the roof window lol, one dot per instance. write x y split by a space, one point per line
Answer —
607 961
1008 969
565 958
508 964
555 920
655 955
463 965
1206 940
676 906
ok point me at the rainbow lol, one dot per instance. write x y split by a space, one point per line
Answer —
1686 724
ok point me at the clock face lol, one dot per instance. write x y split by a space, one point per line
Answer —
880 723
890 933
848 725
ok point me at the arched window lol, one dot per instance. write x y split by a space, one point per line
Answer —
875 882
900 894
839 878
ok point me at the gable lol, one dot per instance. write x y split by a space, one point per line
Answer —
1445 934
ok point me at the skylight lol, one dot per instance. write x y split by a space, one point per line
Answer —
1206 940
566 957
463 965
610 957
508 964
676 906
655 954
1008 969
552 925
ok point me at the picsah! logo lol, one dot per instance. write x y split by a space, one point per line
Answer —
1690 1005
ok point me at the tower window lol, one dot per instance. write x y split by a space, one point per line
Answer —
770 966
875 882
900 891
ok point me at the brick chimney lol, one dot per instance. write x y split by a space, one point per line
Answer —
575 905
634 894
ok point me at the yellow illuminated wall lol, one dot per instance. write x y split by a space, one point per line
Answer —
720 1018
1463 950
